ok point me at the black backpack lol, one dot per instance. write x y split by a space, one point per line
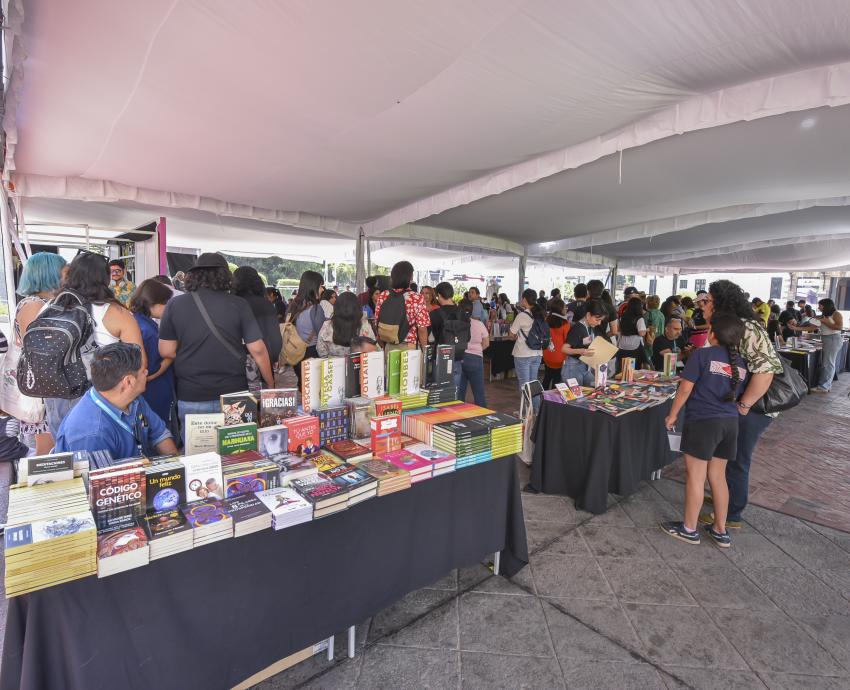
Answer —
51 364
393 326
538 336
456 331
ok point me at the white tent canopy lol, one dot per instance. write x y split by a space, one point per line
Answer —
586 132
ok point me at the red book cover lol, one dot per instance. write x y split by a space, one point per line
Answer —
386 433
385 406
304 436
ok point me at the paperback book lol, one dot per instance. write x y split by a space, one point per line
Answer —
332 391
236 438
118 495
203 477
249 514
201 432
303 435
277 404
352 375
372 374
41 469
240 407
311 383
166 485
272 440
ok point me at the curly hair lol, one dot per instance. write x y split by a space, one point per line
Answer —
218 279
729 297
88 277
246 281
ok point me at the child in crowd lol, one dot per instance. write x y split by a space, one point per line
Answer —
710 383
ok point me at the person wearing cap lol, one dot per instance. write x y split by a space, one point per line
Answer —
210 358
628 293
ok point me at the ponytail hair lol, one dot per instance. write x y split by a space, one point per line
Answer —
530 296
728 330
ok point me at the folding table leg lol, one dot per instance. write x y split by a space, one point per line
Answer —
351 642
496 557
331 648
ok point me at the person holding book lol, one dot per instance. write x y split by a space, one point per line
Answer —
578 342
553 357
470 370
348 321
148 303
113 414
709 390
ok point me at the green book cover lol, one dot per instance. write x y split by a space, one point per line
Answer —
236 438
393 371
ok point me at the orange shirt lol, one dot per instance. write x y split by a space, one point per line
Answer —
555 358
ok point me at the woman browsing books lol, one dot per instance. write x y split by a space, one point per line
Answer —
578 343
348 321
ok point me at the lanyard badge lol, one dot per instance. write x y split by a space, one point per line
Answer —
115 418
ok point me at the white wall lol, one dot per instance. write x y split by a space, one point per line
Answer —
757 284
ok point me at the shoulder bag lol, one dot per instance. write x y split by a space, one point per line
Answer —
252 372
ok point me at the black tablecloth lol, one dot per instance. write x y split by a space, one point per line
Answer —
587 455
213 616
500 355
807 363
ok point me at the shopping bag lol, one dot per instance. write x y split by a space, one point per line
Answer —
526 413
12 401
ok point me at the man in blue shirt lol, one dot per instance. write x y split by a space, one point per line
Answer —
113 415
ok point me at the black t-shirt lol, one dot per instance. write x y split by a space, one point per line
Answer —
602 328
698 317
204 368
577 309
784 318
266 315
662 342
577 335
438 318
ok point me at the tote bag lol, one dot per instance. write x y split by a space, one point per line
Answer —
22 407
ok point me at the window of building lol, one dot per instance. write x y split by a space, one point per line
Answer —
699 284
683 284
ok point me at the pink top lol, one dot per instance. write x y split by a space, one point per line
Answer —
477 333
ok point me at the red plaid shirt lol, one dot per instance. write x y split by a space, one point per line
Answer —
417 312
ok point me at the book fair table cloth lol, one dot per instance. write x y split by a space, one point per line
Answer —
215 615
500 355
587 455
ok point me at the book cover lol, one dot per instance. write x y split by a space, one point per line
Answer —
669 368
384 406
565 391
292 467
353 479
203 477
24 536
393 371
318 489
411 370
575 388
257 476
443 362
332 392
118 498
601 376
311 383
349 450
200 432
166 488
164 524
372 374
57 467
429 453
426 372
352 375
359 414
277 404
236 438
406 460
205 512
283 501
627 368
241 407
382 470
385 433
121 541
303 435
272 440
244 507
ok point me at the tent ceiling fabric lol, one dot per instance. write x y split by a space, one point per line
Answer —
322 116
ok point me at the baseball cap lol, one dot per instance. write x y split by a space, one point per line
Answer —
210 260
630 291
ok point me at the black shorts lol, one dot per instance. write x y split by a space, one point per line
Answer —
711 438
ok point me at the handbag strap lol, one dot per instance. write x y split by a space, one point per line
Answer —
213 329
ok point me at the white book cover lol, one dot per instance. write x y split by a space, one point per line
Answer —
283 501
311 383
203 476
332 391
372 383
411 368
200 432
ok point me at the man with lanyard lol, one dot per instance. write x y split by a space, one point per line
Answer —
113 415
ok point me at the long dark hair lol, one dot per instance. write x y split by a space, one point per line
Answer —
150 293
556 311
88 276
247 282
401 275
728 330
827 306
308 293
633 312
346 318
530 296
729 297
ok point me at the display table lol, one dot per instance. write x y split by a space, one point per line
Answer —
499 352
213 616
587 455
807 363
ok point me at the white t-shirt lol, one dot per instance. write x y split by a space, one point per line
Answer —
632 342
523 322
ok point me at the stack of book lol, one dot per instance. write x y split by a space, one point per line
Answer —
248 472
420 424
359 484
419 468
249 514
168 533
304 438
467 441
165 485
334 423
50 536
287 507
390 478
386 433
414 400
204 477
118 494
326 497
441 393
505 433
441 461
121 550
292 467
209 520
349 451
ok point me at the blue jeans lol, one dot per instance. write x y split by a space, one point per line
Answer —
578 370
55 410
831 348
470 370
185 407
750 429
527 369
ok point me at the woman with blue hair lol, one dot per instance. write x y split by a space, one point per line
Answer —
40 281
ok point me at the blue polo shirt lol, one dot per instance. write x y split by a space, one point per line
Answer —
88 427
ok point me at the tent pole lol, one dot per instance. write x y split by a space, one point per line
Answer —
360 272
368 257
675 284
523 260
614 282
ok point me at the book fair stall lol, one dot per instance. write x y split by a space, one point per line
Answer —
279 526
805 354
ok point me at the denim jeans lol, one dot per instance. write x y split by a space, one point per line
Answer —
185 407
55 410
578 370
831 348
750 429
470 370
527 369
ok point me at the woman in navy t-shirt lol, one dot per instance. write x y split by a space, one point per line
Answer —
710 385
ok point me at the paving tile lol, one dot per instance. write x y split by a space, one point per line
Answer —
798 593
481 671
544 508
601 675
773 523
449 582
424 618
812 550
645 582
649 512
770 641
722 585
682 636
836 536
789 681
316 673
510 625
675 551
569 576
400 667
615 515
553 538
478 578
839 580
673 492
753 549
591 631
833 633
711 679
617 542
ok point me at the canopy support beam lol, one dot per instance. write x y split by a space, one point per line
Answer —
360 273
523 260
